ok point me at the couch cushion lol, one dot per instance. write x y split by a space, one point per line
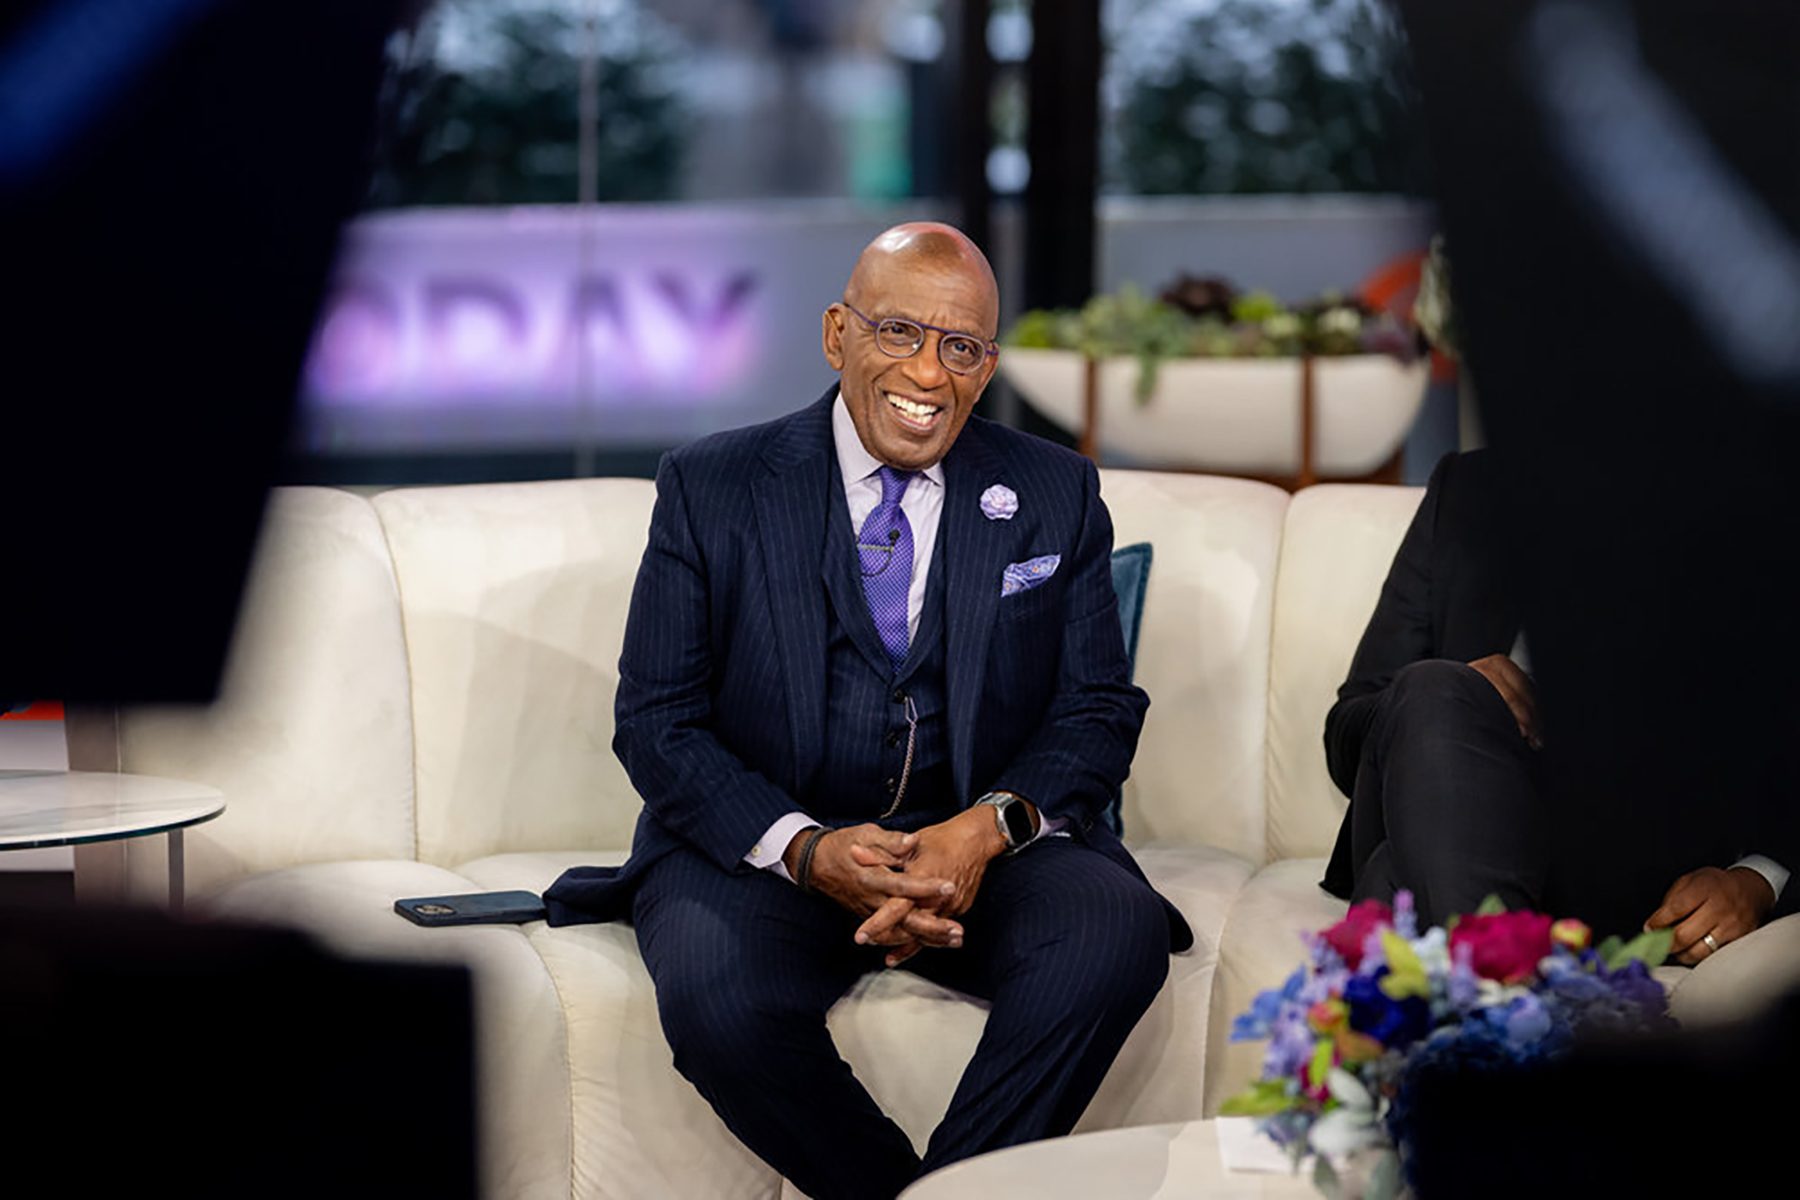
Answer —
521 1059
640 1128
515 598
1261 947
907 1038
311 738
1203 655
1744 977
1335 552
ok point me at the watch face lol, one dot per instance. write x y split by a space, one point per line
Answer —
1018 823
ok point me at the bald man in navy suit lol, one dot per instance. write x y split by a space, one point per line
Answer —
875 696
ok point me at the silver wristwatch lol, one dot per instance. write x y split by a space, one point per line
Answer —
1012 817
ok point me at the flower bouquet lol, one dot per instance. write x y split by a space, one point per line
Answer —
1378 1000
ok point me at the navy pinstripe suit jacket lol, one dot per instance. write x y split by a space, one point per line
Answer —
721 708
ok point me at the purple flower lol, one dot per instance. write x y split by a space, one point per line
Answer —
1406 917
999 503
1465 985
1290 1045
1374 955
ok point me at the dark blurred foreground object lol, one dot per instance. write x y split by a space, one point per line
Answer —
221 1061
1704 1113
173 174
1630 174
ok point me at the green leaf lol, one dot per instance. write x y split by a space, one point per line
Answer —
1384 1178
1325 1178
1607 949
1493 906
1319 1069
1260 1100
1650 948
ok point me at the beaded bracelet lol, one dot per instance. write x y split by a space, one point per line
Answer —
803 869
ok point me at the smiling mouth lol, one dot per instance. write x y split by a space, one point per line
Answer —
914 414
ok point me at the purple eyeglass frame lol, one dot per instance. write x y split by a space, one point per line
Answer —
990 349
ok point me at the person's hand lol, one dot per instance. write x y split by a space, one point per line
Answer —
864 882
1725 904
1514 687
904 926
957 850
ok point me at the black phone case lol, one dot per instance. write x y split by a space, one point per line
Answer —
475 908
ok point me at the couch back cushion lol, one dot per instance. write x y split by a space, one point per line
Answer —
1203 654
515 598
311 737
1335 552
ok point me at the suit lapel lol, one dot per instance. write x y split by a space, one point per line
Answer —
791 501
843 579
975 553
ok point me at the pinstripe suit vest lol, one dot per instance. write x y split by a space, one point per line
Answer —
865 723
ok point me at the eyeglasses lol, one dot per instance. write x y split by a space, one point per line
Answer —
897 337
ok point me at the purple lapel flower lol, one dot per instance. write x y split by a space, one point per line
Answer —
999 503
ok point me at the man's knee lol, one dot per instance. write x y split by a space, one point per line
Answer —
1116 955
719 1026
1441 696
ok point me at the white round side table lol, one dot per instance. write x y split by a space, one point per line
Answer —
70 808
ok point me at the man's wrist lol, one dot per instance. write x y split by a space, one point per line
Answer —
980 820
1764 890
790 858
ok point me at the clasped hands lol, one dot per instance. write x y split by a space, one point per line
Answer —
909 888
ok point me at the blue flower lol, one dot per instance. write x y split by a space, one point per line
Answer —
1396 1024
1266 1007
1527 1021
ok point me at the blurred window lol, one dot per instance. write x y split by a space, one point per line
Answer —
1255 96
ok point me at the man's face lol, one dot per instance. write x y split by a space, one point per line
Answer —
908 411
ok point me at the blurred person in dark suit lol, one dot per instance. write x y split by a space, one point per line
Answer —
874 695
1439 740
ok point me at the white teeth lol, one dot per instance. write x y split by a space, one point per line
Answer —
911 408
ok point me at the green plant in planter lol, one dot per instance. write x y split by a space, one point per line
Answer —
1208 318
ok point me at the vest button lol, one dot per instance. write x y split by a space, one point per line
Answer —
890 784
893 738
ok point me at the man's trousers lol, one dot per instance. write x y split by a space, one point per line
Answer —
1066 946
1449 798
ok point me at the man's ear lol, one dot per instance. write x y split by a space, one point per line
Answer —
831 334
991 368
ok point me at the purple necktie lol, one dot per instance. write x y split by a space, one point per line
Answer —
884 549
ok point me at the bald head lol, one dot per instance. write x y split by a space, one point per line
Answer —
931 248
931 287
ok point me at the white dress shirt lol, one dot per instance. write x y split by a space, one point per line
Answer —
923 504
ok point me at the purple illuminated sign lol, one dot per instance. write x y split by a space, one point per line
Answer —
455 336
476 327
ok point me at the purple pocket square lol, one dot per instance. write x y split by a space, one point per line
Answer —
1023 576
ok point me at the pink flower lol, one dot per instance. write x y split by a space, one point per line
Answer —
1349 935
1505 946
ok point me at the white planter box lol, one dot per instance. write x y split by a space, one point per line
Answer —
1232 416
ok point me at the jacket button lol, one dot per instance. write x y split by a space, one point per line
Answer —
899 697
893 738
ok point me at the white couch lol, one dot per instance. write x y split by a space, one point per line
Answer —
420 702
